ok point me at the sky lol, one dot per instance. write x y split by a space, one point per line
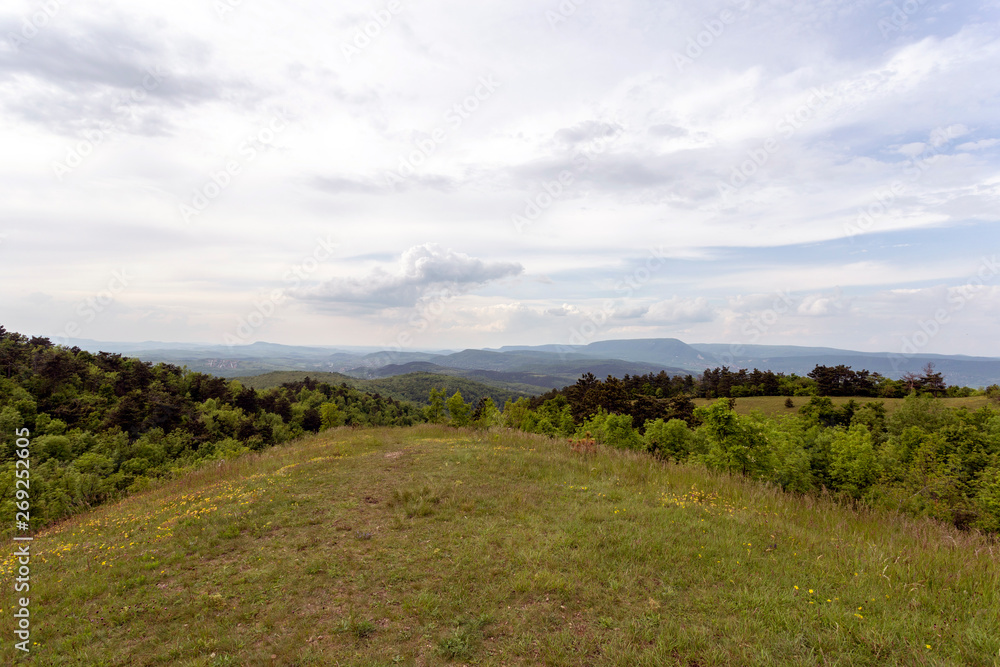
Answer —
421 174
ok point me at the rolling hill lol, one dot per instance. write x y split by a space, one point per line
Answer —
414 387
550 365
434 546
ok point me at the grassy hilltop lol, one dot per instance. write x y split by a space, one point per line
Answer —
430 545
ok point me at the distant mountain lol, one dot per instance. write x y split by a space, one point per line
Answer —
719 350
957 369
385 358
535 369
664 351
547 366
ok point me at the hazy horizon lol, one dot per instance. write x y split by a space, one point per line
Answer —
740 347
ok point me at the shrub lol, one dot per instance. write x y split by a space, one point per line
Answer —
613 430
668 439
735 444
854 465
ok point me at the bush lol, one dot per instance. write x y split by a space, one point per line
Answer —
792 465
854 465
988 500
736 444
668 439
612 429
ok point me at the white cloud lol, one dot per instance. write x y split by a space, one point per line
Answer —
424 272
822 305
978 145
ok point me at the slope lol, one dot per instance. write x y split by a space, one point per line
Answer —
429 545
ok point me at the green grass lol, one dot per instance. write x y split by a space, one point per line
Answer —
430 545
775 405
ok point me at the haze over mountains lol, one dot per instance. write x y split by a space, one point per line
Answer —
547 366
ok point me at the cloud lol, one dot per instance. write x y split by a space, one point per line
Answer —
589 130
978 145
680 310
820 305
424 272
561 311
70 77
667 130
337 185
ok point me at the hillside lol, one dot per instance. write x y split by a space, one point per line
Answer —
555 370
429 545
530 381
278 378
663 351
414 387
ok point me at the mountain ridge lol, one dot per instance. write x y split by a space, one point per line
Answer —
613 356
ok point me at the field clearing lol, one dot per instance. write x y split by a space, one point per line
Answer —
774 406
430 545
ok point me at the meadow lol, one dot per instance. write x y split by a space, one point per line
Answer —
432 545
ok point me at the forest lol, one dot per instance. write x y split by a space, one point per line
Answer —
103 425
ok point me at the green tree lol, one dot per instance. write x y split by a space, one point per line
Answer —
435 411
458 409
988 500
489 416
792 465
611 429
993 394
669 440
854 464
736 444
330 416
